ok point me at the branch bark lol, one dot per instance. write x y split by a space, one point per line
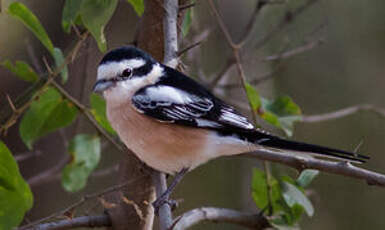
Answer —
195 216
302 162
78 222
170 58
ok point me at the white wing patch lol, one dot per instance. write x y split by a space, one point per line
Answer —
169 94
228 115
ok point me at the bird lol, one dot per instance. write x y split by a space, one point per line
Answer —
174 124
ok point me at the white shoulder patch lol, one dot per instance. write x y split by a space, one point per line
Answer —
169 94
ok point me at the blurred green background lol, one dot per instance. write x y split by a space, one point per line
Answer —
348 68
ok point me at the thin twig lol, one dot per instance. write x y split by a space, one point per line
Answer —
285 21
250 24
88 115
45 175
81 202
57 176
19 111
229 63
343 112
78 222
195 216
186 6
189 47
295 51
241 73
27 155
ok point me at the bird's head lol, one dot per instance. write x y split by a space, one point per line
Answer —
125 70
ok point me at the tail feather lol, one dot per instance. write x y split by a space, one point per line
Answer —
279 143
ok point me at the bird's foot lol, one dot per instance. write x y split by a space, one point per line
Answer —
164 200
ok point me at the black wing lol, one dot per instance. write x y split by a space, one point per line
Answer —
180 100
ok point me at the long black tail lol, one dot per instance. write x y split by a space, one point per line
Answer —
279 143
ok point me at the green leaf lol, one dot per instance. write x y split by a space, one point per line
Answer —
85 153
59 61
99 112
47 114
71 12
15 195
138 6
95 16
259 191
186 25
22 70
253 97
21 12
306 177
282 113
293 195
259 188
283 106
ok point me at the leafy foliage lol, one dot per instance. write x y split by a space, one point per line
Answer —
288 200
138 6
15 195
21 12
46 115
99 112
85 153
22 70
284 110
95 16
281 112
71 13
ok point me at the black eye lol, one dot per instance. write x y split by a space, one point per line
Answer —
127 73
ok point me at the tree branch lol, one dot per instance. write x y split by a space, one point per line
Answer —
300 49
170 58
343 112
78 222
195 216
302 162
165 216
170 33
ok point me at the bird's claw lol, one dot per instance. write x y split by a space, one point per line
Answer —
158 203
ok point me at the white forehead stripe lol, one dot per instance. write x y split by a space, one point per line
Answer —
112 69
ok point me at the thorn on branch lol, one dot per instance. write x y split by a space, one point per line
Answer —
186 6
189 47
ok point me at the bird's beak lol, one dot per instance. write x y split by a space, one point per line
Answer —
102 85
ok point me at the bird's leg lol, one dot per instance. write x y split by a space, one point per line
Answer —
164 198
